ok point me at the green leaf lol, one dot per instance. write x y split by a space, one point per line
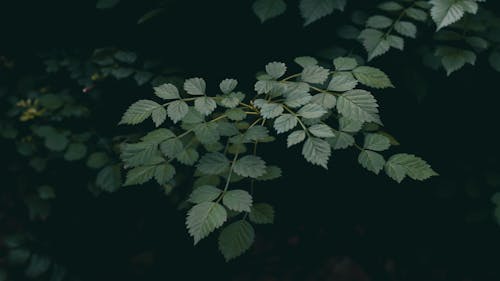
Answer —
379 22
250 166
416 14
159 116
344 63
350 125
390 6
327 101
158 136
406 28
272 172
256 133
454 58
97 160
187 156
232 100
311 111
275 69
295 138
446 12
271 110
359 105
314 74
341 141
213 163
313 10
204 218
342 81
236 114
205 105
75 151
228 85
376 142
177 110
109 178
372 77
139 154
401 165
237 200
321 131
193 116
375 42
142 77
167 92
261 213
171 147
285 123
46 192
207 133
139 111
268 9
56 141
235 239
164 173
140 175
396 42
106 4
305 61
297 94
204 193
371 161
195 86
316 151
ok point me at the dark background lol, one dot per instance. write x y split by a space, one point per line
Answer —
340 224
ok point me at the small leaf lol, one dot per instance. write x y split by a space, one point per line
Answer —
204 193
342 81
316 151
268 9
314 74
400 165
446 12
372 161
378 22
213 163
406 28
205 105
177 110
228 85
271 110
372 77
139 111
321 131
109 178
376 142
167 91
139 175
344 63
261 213
341 141
305 61
235 239
164 173
75 151
359 105
250 166
237 200
159 116
275 69
311 111
204 218
375 42
295 138
327 101
195 86
187 156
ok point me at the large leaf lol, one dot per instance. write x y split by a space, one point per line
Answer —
235 239
204 218
446 12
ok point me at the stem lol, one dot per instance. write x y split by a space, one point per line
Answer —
290 77
298 119
324 91
228 177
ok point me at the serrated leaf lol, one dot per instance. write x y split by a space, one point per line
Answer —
164 173
316 151
250 166
204 218
139 111
379 22
375 42
261 213
376 142
305 61
390 6
235 239
268 9
327 101
204 193
157 136
271 110
341 141
159 116
454 58
187 156
446 12
372 77
228 85
109 178
311 111
342 81
237 200
313 10
167 92
371 161
139 175
314 74
171 147
232 100
177 110
359 105
297 94
285 123
400 165
396 42
256 133
195 86
406 28
321 131
295 138
205 105
272 172
236 114
350 125
275 69
416 14
213 163
344 63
